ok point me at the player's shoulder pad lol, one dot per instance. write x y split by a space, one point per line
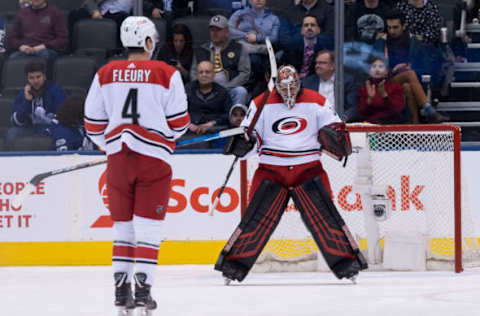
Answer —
311 96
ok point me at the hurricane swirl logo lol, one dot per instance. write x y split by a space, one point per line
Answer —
289 125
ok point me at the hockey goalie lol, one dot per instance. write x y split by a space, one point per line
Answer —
294 126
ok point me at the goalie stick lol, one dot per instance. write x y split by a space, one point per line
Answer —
271 85
31 185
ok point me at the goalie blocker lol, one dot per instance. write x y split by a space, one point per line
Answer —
263 215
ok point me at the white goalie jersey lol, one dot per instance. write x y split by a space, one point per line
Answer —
289 136
138 103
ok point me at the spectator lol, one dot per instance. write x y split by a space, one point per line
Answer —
235 117
323 10
324 79
230 59
237 114
35 107
40 30
208 102
154 8
178 51
424 22
380 100
370 20
406 54
423 19
301 53
69 133
251 26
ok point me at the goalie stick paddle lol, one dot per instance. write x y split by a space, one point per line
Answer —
271 85
31 185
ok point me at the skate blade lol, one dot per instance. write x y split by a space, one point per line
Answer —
227 281
122 311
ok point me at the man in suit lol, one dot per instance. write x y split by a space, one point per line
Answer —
306 44
323 81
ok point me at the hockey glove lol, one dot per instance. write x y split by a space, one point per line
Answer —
335 141
238 145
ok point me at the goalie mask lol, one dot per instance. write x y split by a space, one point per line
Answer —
288 84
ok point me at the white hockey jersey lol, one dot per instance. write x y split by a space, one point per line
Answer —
289 136
140 103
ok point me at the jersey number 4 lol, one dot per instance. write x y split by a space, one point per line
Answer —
129 109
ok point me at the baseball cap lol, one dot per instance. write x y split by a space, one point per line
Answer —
238 105
219 21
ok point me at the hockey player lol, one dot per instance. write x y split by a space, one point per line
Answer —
135 109
293 124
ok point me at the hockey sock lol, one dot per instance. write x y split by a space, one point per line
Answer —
148 233
123 249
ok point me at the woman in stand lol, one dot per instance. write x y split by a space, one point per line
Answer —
178 50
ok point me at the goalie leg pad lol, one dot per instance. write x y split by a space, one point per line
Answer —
328 229
257 225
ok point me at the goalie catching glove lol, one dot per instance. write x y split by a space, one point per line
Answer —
335 141
239 145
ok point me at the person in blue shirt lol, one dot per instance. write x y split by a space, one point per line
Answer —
35 107
68 132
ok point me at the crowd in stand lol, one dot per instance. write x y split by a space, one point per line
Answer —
392 49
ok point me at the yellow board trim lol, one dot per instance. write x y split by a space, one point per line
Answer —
100 253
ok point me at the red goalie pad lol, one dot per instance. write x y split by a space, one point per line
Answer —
335 140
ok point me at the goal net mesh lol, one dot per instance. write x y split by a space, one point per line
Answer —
417 170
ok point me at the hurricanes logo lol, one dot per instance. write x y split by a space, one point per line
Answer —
289 125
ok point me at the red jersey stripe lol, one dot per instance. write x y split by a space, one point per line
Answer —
95 127
263 152
179 122
141 132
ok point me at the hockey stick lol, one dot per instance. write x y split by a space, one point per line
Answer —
31 185
271 85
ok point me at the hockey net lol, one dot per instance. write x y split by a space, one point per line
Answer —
414 172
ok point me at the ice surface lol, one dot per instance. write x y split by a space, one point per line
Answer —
199 290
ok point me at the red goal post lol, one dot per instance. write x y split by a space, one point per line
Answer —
399 156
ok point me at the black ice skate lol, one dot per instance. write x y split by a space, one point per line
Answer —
144 302
123 295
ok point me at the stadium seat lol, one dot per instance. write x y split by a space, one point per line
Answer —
74 73
13 74
213 7
198 26
161 26
6 105
9 10
33 143
66 5
95 38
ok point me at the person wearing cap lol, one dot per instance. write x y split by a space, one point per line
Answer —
231 63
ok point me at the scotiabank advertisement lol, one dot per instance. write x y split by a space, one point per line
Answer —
74 206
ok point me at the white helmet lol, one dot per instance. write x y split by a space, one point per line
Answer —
135 30
288 84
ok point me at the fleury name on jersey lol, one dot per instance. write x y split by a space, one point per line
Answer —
130 75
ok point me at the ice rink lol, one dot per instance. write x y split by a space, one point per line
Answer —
198 290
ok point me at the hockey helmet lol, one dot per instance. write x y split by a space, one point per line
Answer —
135 30
288 84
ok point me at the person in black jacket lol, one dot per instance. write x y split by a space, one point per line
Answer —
208 102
